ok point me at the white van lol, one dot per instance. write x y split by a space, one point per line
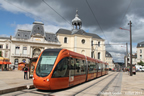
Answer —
139 68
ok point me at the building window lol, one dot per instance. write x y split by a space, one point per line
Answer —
36 52
99 44
24 60
83 52
98 55
92 43
6 46
6 54
24 50
65 40
17 50
140 56
1 46
83 41
140 50
16 62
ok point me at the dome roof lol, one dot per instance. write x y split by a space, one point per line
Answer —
76 20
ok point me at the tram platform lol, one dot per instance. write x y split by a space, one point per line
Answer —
11 81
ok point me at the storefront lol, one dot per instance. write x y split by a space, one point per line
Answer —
4 64
32 64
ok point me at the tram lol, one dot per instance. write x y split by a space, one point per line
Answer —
61 68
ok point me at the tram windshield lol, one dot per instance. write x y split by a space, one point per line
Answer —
45 63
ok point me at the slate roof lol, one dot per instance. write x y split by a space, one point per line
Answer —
23 34
77 31
108 54
4 37
141 44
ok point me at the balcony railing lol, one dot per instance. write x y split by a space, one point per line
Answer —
21 55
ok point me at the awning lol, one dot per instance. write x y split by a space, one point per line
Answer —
4 60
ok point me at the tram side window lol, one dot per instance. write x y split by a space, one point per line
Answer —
103 67
61 68
96 66
91 67
106 67
72 66
78 66
99 67
83 66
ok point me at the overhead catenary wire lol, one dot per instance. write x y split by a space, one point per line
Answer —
124 14
95 18
56 11
126 11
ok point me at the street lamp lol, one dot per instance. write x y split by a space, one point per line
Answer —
130 47
126 54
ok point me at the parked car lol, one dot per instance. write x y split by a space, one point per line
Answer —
142 69
139 68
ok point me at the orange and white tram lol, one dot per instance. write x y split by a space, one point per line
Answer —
62 68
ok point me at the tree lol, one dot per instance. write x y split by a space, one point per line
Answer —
141 63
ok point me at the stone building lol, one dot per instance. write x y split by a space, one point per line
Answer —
30 43
82 42
109 59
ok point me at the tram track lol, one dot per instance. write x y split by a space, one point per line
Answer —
97 83
77 90
107 85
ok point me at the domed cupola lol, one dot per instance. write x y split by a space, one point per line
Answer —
76 22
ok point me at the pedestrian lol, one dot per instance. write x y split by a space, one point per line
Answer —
13 67
25 69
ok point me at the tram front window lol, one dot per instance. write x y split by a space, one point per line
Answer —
45 63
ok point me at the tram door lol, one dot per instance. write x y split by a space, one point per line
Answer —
71 71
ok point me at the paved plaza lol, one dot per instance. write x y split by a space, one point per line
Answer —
130 85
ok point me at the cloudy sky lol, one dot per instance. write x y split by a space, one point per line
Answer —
102 17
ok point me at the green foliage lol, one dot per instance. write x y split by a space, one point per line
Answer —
141 63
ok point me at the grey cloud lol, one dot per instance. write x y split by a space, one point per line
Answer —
111 14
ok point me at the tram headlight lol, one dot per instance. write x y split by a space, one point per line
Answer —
47 79
33 78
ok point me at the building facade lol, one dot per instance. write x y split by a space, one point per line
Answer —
140 51
28 44
109 60
79 41
127 60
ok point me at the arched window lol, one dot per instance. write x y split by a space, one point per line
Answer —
16 62
36 52
98 55
65 40
83 52
24 60
99 43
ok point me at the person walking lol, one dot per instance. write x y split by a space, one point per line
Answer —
25 69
